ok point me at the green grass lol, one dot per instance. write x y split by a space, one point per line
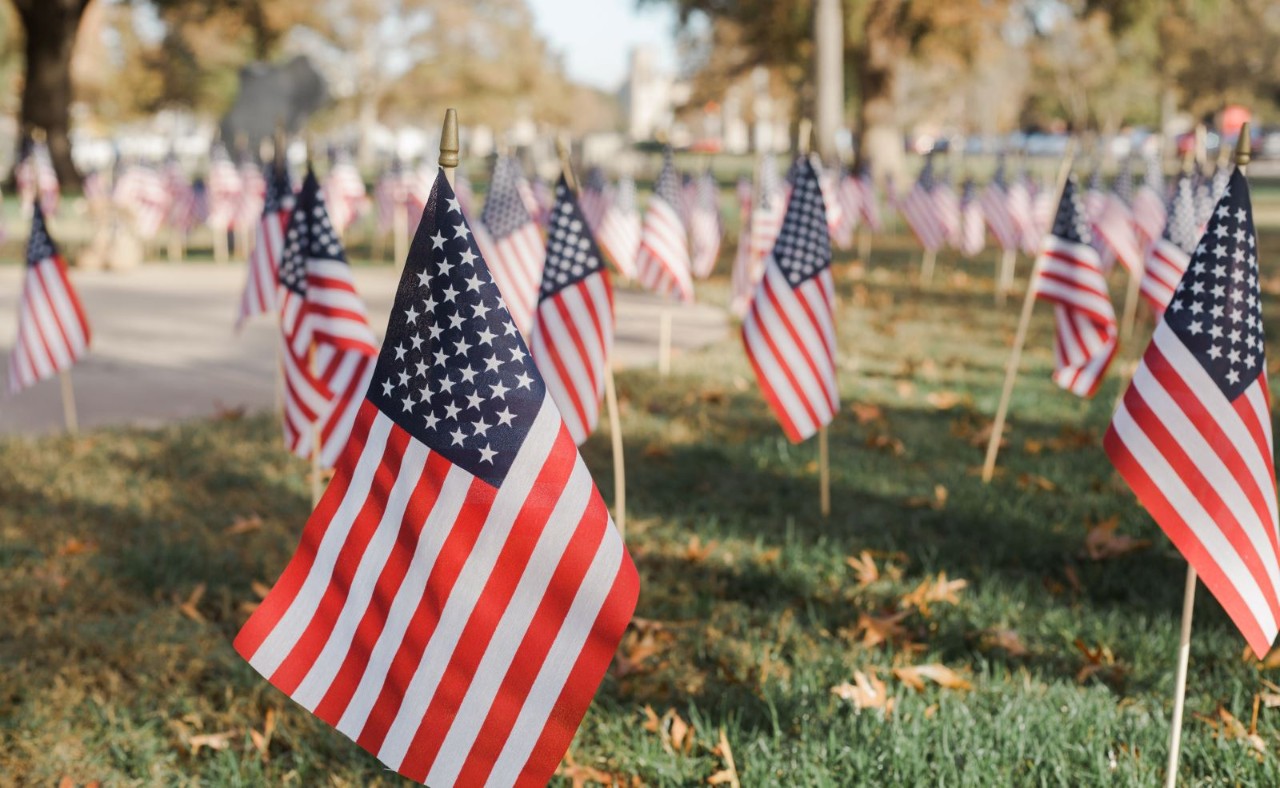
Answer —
103 676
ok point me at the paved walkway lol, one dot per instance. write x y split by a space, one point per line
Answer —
164 349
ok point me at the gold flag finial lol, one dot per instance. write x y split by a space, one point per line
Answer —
562 150
38 135
449 139
1243 149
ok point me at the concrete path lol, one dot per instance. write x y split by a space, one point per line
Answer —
164 348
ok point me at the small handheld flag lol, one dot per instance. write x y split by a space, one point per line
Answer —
662 264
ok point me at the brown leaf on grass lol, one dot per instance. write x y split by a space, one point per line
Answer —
637 647
1270 698
675 733
914 677
886 443
729 774
938 502
866 412
223 413
580 775
214 741
866 692
262 741
260 588
943 400
1032 446
697 552
933 589
74 546
874 630
864 566
189 607
1031 480
1227 727
1099 662
1007 640
243 525
769 557
1102 542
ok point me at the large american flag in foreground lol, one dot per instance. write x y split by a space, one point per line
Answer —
1169 255
259 295
1070 277
789 330
1192 436
515 250
329 350
573 330
662 263
460 589
52 330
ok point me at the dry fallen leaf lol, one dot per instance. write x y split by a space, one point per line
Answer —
1007 639
875 630
1099 662
938 502
580 775
866 692
696 551
866 413
943 400
729 774
1226 726
636 648
1102 542
244 525
262 741
864 565
1031 480
74 546
189 607
933 589
914 677
214 741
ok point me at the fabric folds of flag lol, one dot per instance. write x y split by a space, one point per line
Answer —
789 329
705 225
52 329
573 331
142 192
329 350
36 170
1070 277
767 212
224 190
1169 255
973 231
998 210
662 262
920 209
344 192
515 251
259 294
1149 214
850 196
460 590
1192 436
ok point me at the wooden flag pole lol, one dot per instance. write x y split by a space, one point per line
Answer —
610 386
69 415
824 472
1020 338
1008 260
664 342
926 265
1243 153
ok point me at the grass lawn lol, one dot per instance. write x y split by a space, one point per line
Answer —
129 559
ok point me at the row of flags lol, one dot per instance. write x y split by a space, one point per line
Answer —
460 588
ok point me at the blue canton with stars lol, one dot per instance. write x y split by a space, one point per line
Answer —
453 371
803 248
1123 186
504 212
572 254
1069 222
1216 310
310 235
668 184
1180 228
40 246
279 196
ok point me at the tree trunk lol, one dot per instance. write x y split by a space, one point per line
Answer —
884 48
46 93
828 67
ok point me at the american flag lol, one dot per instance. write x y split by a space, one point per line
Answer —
1168 258
1205 201
619 234
1114 224
948 202
460 590
259 296
329 350
253 194
662 262
1023 209
390 193
143 193
920 209
789 329
224 191
849 194
594 198
52 329
344 191
1192 436
573 332
973 230
37 168
997 209
869 201
181 215
830 182
706 227
514 250
1070 277
1149 204
766 213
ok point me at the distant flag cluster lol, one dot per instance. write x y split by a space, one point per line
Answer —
35 176
662 262
344 192
511 242
259 295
